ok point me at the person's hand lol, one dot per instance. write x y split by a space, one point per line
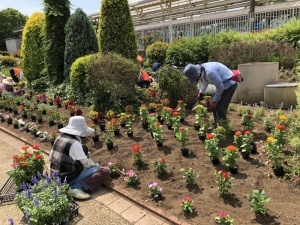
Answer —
212 105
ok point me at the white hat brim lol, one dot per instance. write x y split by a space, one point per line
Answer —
82 131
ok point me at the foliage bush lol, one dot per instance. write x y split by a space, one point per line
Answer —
116 29
112 82
4 53
188 50
251 51
79 42
175 86
32 49
57 14
157 51
8 61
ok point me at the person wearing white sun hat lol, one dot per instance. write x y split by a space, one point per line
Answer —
69 160
7 84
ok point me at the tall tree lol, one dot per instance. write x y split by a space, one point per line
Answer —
10 19
33 46
57 14
80 39
116 31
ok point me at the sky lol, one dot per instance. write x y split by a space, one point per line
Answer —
27 7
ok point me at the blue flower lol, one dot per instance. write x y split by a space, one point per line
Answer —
55 175
23 186
39 175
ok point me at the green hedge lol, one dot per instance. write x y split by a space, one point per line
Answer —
157 51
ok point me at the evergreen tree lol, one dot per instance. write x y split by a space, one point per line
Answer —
10 19
116 31
80 40
57 14
32 46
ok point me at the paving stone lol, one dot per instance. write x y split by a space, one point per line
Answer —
149 219
133 214
120 205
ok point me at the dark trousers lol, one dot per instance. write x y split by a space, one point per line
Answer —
221 110
13 76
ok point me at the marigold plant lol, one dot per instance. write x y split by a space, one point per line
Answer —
137 155
160 165
223 180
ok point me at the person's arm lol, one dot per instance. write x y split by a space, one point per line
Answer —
215 79
77 153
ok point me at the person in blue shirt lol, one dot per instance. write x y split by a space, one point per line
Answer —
219 75
155 66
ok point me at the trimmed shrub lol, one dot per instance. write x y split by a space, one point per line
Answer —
79 42
157 51
8 61
188 50
4 53
32 49
175 86
116 29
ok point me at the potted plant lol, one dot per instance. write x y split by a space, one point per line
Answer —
2 119
167 114
113 169
52 136
95 135
200 114
143 110
92 114
152 107
108 137
275 155
115 123
230 158
137 155
129 124
42 135
257 200
190 176
39 115
131 178
49 194
155 191
101 120
246 147
26 165
110 114
181 109
122 117
8 119
160 166
223 180
187 205
182 137
212 146
16 123
157 134
224 219
204 128
21 124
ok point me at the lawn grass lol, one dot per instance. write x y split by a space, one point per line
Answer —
5 71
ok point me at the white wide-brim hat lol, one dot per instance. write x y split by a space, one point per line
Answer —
192 72
77 126
8 81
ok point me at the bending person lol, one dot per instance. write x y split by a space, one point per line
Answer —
69 160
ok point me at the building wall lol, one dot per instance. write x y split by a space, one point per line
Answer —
13 44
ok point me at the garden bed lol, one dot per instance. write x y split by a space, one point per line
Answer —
254 173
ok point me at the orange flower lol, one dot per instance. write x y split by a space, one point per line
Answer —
25 147
25 163
247 132
280 127
210 136
175 113
27 155
136 148
225 175
38 156
35 146
158 124
143 106
238 133
231 148
163 160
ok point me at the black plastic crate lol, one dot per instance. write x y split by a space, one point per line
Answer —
8 191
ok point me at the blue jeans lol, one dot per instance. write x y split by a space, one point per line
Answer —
84 174
221 110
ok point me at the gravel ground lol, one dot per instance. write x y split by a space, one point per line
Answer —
90 211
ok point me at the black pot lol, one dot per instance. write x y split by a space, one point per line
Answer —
44 112
201 137
16 126
278 171
123 124
246 155
169 126
254 148
59 105
16 112
10 109
51 123
117 132
102 127
60 125
40 120
9 121
196 126
110 146
159 144
72 114
233 170
152 134
33 118
2 120
95 138
215 161
27 130
145 125
185 151
129 134
50 103
52 143
181 120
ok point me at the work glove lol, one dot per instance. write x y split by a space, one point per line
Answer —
212 105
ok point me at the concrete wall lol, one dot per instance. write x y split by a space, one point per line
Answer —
13 44
280 95
256 76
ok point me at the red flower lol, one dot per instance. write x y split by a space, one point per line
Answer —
35 146
225 175
180 101
136 149
25 147
175 113
231 148
249 117
247 132
158 124
15 157
280 127
152 93
143 106
210 136
169 109
238 133
38 156
163 160
27 155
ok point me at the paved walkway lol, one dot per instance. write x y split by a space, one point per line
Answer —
104 208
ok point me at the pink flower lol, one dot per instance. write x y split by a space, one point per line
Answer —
222 214
181 128
110 164
152 114
14 165
130 173
186 198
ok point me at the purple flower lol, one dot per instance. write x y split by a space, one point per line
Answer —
28 193
34 180
55 175
23 187
11 221
36 201
39 175
54 196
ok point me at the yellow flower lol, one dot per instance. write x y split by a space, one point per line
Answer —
270 139
282 117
